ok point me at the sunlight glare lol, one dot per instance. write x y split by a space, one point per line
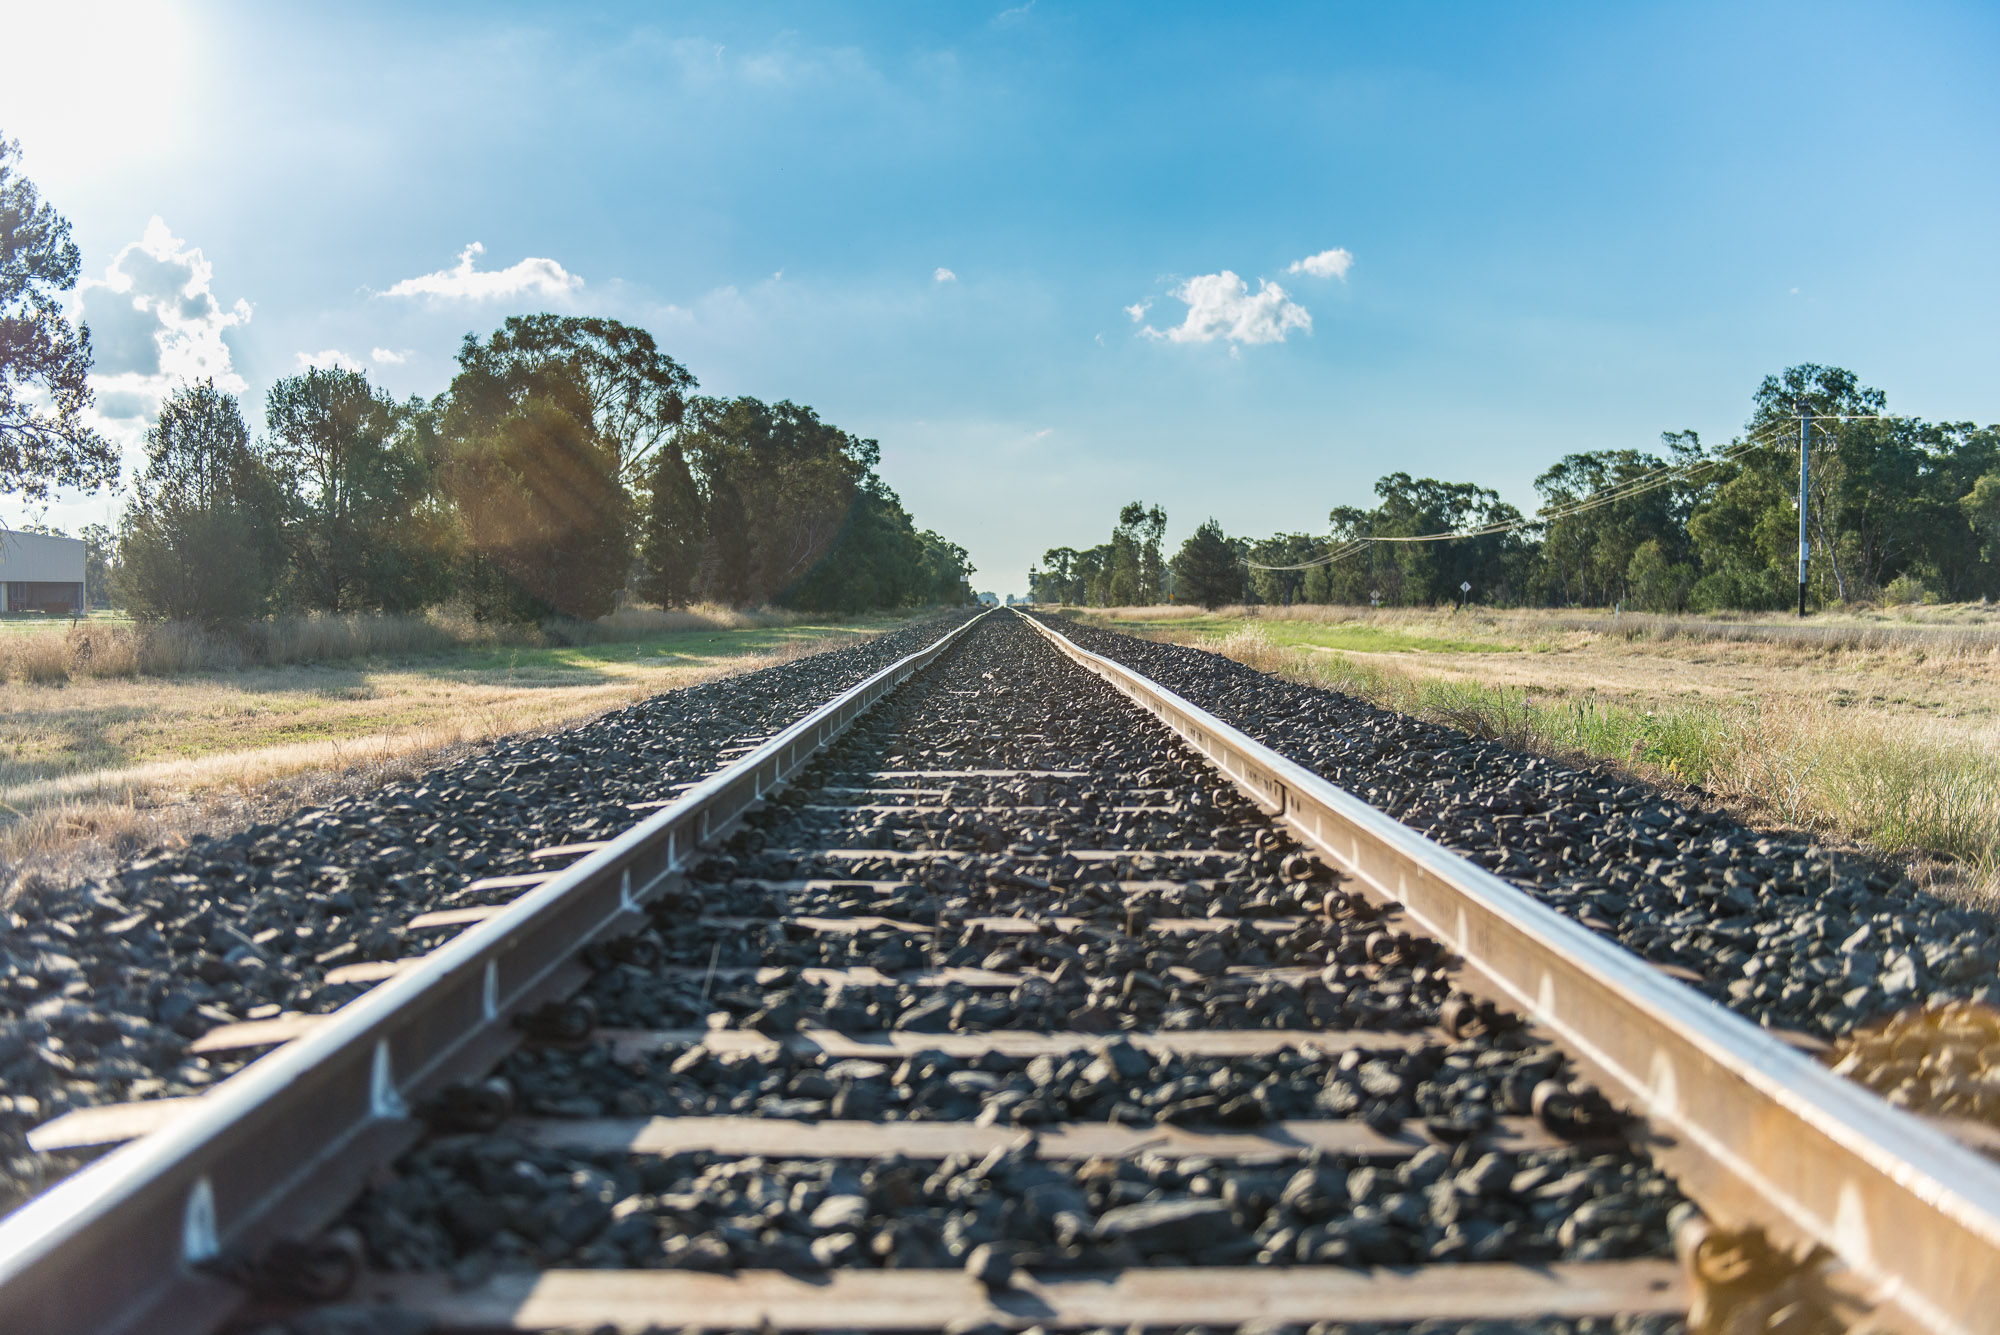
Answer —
104 82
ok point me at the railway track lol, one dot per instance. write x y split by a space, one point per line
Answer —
1007 989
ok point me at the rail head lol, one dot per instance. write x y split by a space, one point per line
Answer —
1758 1132
134 1241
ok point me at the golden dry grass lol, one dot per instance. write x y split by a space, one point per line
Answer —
92 767
40 650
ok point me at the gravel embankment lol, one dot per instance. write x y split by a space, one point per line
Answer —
1016 847
1790 934
102 988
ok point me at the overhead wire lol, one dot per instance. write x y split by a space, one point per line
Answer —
1651 480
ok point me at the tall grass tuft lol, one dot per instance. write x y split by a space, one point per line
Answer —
34 658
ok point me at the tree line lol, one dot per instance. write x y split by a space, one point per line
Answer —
1898 509
569 463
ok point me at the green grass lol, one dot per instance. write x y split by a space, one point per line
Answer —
1809 765
20 623
1355 636
1684 743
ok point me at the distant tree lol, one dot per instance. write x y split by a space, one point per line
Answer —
1207 569
947 570
1745 535
1137 565
1827 394
1283 587
1587 553
100 565
535 487
1654 581
875 560
633 395
781 486
1063 580
1885 499
724 572
672 528
1894 503
201 539
1431 572
1982 511
358 467
42 356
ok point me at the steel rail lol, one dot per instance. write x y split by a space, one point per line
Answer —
1758 1133
142 1240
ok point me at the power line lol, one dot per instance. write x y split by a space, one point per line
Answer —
1624 490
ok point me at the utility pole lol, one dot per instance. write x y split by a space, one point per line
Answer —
1805 545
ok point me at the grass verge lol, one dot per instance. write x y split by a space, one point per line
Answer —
40 650
1904 785
95 768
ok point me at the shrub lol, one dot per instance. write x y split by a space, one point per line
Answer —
1904 589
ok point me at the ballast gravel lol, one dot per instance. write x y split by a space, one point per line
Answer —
473 1205
1008 815
103 988
379 1319
1792 935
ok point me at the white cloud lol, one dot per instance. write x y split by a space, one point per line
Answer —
1221 305
1137 310
155 322
389 356
1327 264
329 359
944 275
464 283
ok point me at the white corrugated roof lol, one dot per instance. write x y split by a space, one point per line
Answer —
40 559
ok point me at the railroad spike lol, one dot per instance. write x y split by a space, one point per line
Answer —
1574 1112
1302 866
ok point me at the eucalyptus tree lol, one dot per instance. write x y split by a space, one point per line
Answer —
202 538
45 443
632 394
534 482
358 466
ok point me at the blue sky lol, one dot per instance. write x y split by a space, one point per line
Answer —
1540 228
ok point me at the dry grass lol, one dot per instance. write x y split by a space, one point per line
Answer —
41 651
1959 630
93 767
1888 736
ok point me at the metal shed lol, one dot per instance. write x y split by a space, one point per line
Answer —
40 573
